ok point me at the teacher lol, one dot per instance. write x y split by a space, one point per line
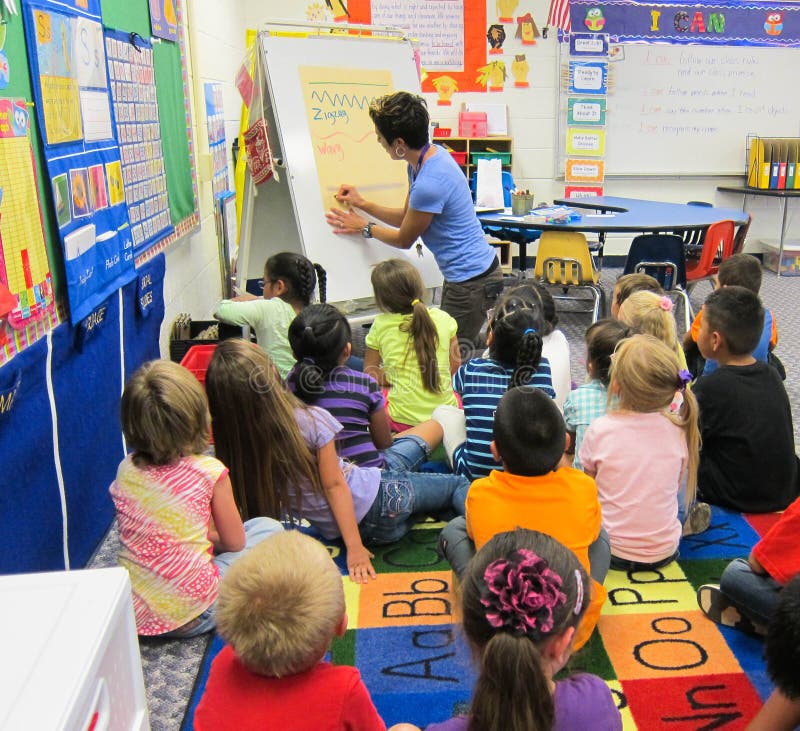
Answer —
438 209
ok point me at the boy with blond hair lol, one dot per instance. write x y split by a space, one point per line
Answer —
279 608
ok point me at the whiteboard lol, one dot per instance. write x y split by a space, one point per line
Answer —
318 89
678 109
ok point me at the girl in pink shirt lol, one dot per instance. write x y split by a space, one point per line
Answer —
643 454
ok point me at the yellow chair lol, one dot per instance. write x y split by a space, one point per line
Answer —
564 260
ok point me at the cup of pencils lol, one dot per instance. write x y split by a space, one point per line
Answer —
521 202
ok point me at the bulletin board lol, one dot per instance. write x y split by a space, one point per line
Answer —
175 121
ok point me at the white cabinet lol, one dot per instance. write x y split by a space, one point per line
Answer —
70 656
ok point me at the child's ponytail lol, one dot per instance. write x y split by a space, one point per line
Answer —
398 288
317 336
687 418
426 341
512 692
516 338
300 276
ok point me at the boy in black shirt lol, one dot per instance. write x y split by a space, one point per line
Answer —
747 460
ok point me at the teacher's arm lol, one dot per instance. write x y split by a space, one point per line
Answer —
412 226
349 196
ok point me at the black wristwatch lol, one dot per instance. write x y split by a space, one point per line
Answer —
366 232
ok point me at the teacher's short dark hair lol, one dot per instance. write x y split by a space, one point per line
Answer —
402 115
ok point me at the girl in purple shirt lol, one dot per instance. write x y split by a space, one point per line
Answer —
523 595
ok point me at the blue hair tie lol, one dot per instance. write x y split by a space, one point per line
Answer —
308 360
529 330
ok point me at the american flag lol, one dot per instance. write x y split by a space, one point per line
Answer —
558 17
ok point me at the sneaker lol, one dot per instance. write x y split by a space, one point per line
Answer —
718 608
698 520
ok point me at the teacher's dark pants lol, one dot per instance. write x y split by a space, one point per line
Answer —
467 302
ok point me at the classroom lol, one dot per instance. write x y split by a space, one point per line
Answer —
129 209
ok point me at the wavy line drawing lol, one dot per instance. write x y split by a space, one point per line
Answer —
344 134
341 100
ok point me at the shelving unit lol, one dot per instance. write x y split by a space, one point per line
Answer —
468 145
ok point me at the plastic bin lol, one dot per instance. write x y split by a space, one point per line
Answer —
504 157
179 348
459 157
197 359
472 124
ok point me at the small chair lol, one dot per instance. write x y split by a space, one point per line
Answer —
661 256
718 245
693 240
564 260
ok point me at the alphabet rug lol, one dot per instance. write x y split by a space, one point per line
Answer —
668 666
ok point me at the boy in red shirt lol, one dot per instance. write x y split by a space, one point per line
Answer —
750 588
279 608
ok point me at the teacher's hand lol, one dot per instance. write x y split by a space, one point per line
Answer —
345 222
348 195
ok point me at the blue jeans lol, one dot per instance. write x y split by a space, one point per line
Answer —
255 531
755 595
406 454
404 496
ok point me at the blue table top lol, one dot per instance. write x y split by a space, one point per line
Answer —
609 213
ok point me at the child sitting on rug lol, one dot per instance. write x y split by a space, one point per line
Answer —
748 461
533 492
749 589
278 609
289 282
555 347
523 597
643 454
410 348
739 270
589 401
627 284
781 712
651 314
285 465
320 339
174 504
515 359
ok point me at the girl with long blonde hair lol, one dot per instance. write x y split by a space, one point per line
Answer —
644 453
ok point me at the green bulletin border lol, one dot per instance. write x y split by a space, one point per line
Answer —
174 110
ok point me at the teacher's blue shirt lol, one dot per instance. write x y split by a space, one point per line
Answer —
455 236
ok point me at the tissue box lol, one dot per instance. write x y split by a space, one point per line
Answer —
472 124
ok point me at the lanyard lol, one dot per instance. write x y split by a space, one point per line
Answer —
420 160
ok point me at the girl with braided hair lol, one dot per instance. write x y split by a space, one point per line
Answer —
523 596
410 348
515 359
289 283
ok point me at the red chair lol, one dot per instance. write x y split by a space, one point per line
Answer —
717 246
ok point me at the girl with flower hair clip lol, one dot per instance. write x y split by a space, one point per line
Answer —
644 454
652 314
523 596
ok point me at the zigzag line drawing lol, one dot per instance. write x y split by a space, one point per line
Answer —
341 100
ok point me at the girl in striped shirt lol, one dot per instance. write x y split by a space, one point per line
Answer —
515 359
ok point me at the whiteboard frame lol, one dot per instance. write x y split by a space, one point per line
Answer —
347 259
